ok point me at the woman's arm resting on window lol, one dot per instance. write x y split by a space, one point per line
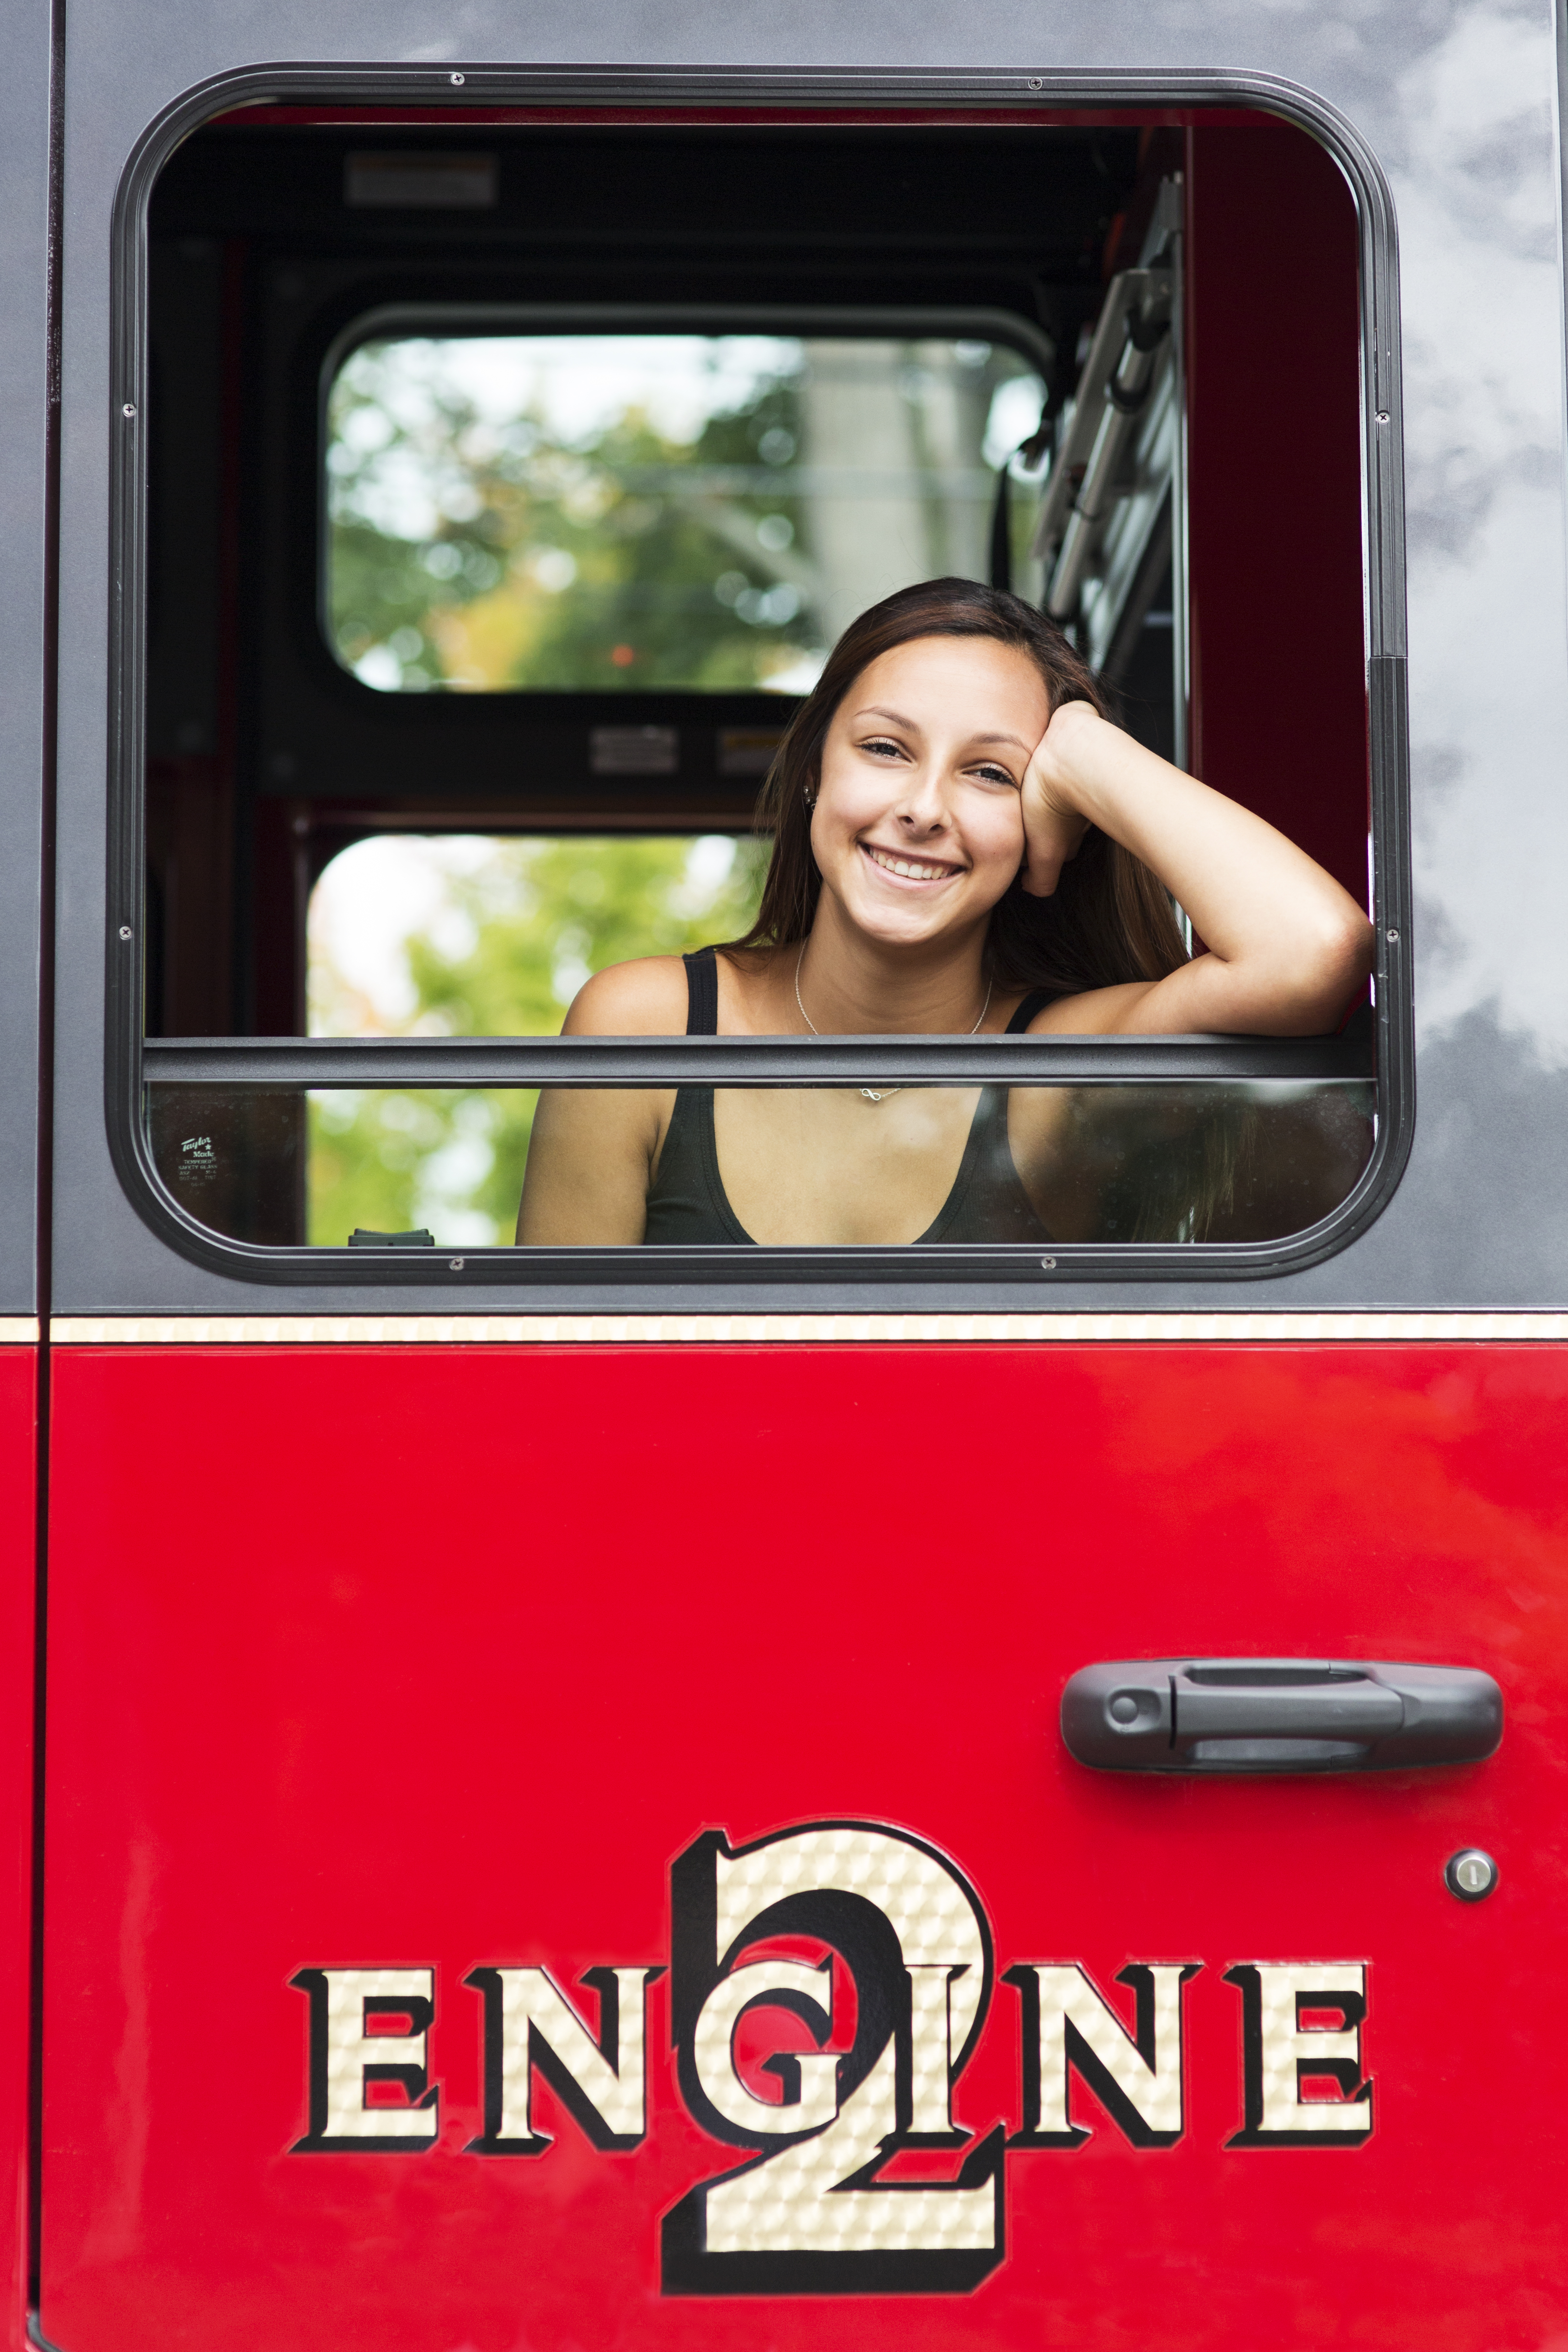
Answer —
1287 947
592 1151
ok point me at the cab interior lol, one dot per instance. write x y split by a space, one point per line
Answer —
1110 361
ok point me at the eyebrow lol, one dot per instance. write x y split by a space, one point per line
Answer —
881 710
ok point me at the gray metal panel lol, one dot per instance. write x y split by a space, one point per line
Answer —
1458 104
24 415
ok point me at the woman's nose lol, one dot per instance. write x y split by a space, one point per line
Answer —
923 806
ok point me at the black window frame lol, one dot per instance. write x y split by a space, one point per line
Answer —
131 1060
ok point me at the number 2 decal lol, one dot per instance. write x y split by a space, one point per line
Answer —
908 1951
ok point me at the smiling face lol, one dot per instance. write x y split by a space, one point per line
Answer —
918 825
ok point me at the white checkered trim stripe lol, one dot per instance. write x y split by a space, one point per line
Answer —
733 1330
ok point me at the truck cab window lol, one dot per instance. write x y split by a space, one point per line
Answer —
481 607
615 511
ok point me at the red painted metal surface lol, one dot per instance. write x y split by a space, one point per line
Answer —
439 1659
18 1489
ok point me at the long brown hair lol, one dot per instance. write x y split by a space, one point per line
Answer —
1110 918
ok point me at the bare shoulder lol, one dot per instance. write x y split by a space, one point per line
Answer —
645 998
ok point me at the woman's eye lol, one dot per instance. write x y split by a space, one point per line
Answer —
991 776
882 747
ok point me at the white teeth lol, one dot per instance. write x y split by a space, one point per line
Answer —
902 866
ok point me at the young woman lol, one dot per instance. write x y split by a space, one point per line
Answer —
963 845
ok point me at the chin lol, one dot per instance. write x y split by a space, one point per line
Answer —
913 920
896 928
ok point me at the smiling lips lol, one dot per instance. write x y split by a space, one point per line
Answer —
911 869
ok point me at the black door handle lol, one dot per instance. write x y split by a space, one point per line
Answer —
1278 1715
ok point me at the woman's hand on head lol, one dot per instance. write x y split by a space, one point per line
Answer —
1054 822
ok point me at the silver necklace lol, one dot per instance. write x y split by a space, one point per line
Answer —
869 1093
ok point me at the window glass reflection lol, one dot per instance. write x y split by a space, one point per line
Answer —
1245 1160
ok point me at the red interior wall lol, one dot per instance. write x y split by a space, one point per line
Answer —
1274 532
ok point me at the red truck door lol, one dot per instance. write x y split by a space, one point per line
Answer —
591 1854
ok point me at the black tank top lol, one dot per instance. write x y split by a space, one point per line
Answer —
688 1203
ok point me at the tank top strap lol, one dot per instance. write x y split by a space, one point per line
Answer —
686 1201
701 994
1035 1002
